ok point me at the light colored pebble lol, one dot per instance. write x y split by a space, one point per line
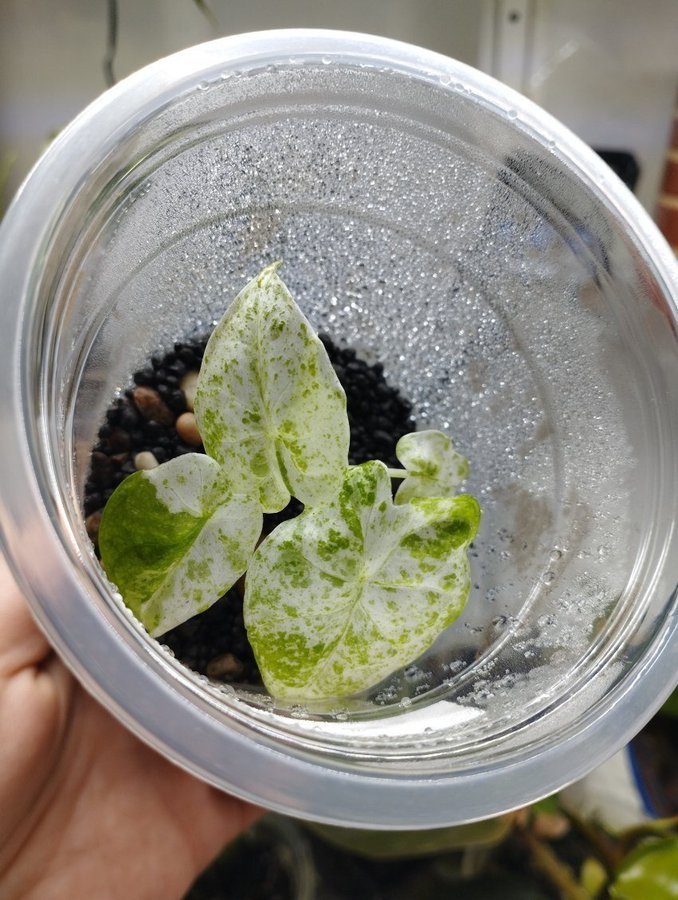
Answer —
145 460
189 385
187 429
151 405
92 523
225 666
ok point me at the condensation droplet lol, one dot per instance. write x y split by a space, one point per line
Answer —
512 113
548 577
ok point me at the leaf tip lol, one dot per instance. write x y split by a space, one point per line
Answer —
268 271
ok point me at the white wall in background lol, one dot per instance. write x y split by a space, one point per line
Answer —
51 51
607 68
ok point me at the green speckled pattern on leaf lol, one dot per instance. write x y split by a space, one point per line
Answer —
269 404
175 538
345 594
434 467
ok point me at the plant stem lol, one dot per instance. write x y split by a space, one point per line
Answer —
657 827
397 473
609 854
558 873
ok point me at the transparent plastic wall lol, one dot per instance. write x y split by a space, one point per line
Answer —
440 226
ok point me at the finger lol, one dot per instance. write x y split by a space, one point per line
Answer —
22 644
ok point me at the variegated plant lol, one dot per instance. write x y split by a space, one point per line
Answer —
336 599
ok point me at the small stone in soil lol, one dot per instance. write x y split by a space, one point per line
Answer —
145 460
189 386
187 429
151 405
226 666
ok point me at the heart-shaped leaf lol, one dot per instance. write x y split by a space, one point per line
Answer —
269 404
348 592
175 538
434 467
649 872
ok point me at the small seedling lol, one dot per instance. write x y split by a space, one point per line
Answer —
360 583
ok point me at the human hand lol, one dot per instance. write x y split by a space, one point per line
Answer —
87 809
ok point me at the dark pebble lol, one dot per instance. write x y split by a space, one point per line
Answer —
189 358
93 502
145 376
177 369
118 440
176 402
128 417
153 429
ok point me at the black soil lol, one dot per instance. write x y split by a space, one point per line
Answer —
214 643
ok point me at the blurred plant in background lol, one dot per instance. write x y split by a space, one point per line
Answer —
544 853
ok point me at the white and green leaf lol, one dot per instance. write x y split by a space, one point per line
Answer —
434 467
269 404
342 596
175 538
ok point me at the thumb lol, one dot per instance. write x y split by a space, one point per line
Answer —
22 644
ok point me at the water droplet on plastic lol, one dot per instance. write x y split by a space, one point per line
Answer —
548 577
512 114
203 86
405 702
326 60
555 554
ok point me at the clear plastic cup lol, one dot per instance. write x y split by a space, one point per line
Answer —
514 291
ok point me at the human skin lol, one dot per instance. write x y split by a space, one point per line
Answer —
87 809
